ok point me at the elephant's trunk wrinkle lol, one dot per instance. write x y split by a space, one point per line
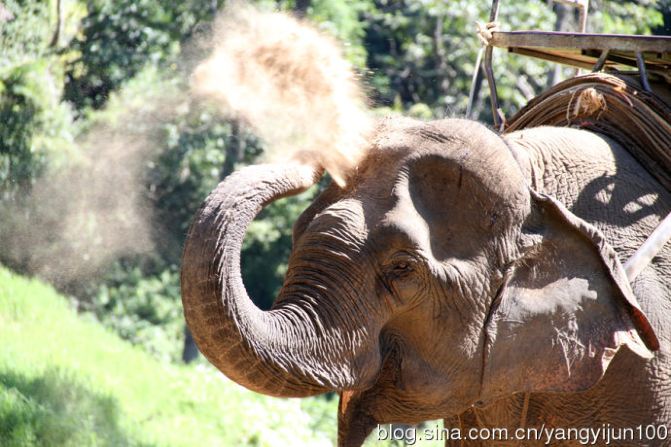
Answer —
293 350
324 320
322 288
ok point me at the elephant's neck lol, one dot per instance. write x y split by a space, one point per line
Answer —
607 405
603 184
564 164
594 178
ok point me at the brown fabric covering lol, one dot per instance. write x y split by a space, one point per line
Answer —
615 106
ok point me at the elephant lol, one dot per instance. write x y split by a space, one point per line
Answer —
459 274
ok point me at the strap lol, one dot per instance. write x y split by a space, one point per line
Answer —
650 248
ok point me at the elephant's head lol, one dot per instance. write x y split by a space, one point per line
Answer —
434 280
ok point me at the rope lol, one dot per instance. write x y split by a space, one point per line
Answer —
617 107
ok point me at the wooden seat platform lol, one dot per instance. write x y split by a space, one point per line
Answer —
584 50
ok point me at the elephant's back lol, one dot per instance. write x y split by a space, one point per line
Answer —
622 183
615 106
596 179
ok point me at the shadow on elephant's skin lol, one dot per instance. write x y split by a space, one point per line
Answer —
606 201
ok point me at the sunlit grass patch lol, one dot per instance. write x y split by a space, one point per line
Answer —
66 381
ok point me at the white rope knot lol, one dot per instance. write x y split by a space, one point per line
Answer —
589 102
485 30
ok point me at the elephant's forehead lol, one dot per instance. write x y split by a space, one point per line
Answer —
395 146
441 150
351 220
344 219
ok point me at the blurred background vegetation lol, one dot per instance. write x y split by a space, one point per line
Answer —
74 73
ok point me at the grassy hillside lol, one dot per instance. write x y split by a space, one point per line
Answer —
65 381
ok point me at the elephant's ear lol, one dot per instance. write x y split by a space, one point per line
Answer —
564 310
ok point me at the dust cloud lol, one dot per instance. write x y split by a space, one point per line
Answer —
286 81
290 84
93 206
81 216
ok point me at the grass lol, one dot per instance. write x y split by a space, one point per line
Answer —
67 381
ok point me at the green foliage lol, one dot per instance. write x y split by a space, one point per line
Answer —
121 37
36 126
117 40
188 166
425 51
407 55
145 310
26 36
55 409
625 17
267 246
56 368
664 8
341 19
18 111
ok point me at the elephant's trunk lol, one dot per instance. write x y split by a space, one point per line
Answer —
288 351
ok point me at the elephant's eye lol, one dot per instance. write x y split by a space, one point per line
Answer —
400 267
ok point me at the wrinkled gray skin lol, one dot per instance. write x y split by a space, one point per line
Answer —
459 275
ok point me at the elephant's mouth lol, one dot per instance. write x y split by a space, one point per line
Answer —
389 372
387 399
406 387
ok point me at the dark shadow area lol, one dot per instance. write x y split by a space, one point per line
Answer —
625 197
55 409
620 197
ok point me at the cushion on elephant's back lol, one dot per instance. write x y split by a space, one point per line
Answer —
615 106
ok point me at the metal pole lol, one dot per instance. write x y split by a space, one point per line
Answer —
642 72
489 72
493 96
493 15
601 61
474 83
650 248
494 12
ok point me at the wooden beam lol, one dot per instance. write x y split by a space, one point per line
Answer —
563 40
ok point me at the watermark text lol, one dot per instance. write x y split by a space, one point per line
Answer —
604 434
